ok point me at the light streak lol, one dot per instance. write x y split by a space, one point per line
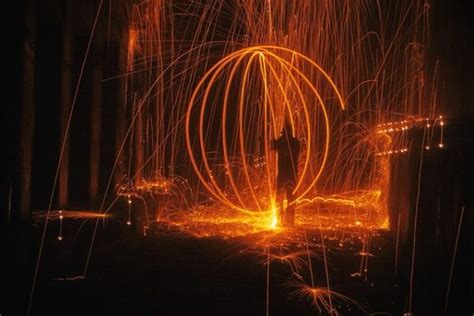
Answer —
320 298
266 58
68 214
453 261
60 236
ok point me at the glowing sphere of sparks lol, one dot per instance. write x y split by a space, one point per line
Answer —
240 105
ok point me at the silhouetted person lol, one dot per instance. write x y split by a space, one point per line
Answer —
288 148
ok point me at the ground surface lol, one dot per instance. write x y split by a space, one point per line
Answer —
168 273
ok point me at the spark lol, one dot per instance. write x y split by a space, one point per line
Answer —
320 298
68 214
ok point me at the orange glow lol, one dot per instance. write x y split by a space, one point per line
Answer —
273 115
322 298
69 214
274 215
350 95
204 102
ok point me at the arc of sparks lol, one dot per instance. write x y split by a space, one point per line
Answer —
268 58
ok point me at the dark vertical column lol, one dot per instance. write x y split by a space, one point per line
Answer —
65 103
399 203
27 114
121 113
96 124
9 120
138 143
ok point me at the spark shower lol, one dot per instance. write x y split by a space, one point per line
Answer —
217 80
210 84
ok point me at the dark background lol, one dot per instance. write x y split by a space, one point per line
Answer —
113 285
